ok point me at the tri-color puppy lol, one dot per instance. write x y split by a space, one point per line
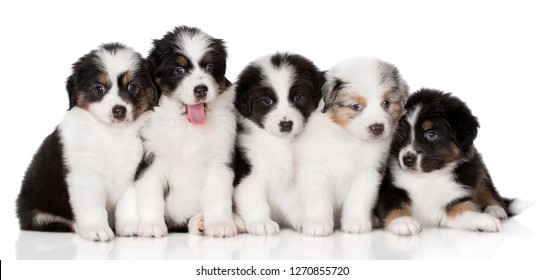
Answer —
186 177
275 96
436 177
81 178
341 154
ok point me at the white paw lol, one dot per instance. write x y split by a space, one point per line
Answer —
264 227
152 230
239 224
126 230
497 212
317 228
220 229
95 233
196 224
481 222
405 226
356 226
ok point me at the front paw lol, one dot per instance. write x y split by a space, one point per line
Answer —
95 232
220 229
152 230
126 230
317 228
196 224
484 222
496 211
404 226
263 227
356 227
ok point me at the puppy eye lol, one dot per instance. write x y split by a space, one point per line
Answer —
132 88
431 136
386 104
209 68
268 101
297 98
356 107
100 89
179 71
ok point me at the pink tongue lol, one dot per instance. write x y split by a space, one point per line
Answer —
196 114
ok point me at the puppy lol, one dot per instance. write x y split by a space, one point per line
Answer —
189 141
275 96
341 155
436 177
81 178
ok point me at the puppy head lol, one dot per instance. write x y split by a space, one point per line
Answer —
112 83
279 92
365 96
189 67
437 130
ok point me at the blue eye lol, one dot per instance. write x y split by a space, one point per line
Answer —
297 98
209 68
132 88
356 107
431 136
100 89
179 71
386 104
268 101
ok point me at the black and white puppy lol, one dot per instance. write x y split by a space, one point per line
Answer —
186 175
275 96
82 177
341 154
436 177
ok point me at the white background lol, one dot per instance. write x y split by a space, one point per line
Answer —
489 53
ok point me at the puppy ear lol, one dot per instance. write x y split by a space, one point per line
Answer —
404 92
71 88
318 80
153 84
241 101
464 124
330 91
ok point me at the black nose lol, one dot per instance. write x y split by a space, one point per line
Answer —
201 91
119 112
376 129
409 159
286 126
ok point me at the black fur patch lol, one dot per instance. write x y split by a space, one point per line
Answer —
147 160
240 163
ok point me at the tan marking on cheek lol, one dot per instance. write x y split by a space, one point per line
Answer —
81 102
181 60
426 125
145 103
454 153
395 111
341 112
403 211
461 208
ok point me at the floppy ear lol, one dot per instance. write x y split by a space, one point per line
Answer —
318 80
241 101
464 124
72 90
156 88
330 92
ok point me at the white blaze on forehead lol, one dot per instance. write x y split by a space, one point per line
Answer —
412 120
194 47
279 78
360 74
117 62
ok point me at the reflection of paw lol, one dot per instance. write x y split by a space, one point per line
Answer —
356 226
196 224
317 228
152 230
220 229
95 232
480 222
126 230
405 226
496 211
264 227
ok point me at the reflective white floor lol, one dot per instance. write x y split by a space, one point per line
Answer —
515 241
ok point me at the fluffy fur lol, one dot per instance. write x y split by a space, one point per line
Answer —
436 177
341 155
275 96
189 141
81 178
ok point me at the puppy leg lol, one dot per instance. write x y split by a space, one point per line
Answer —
150 198
465 215
252 206
291 209
317 203
359 202
216 202
88 200
126 214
